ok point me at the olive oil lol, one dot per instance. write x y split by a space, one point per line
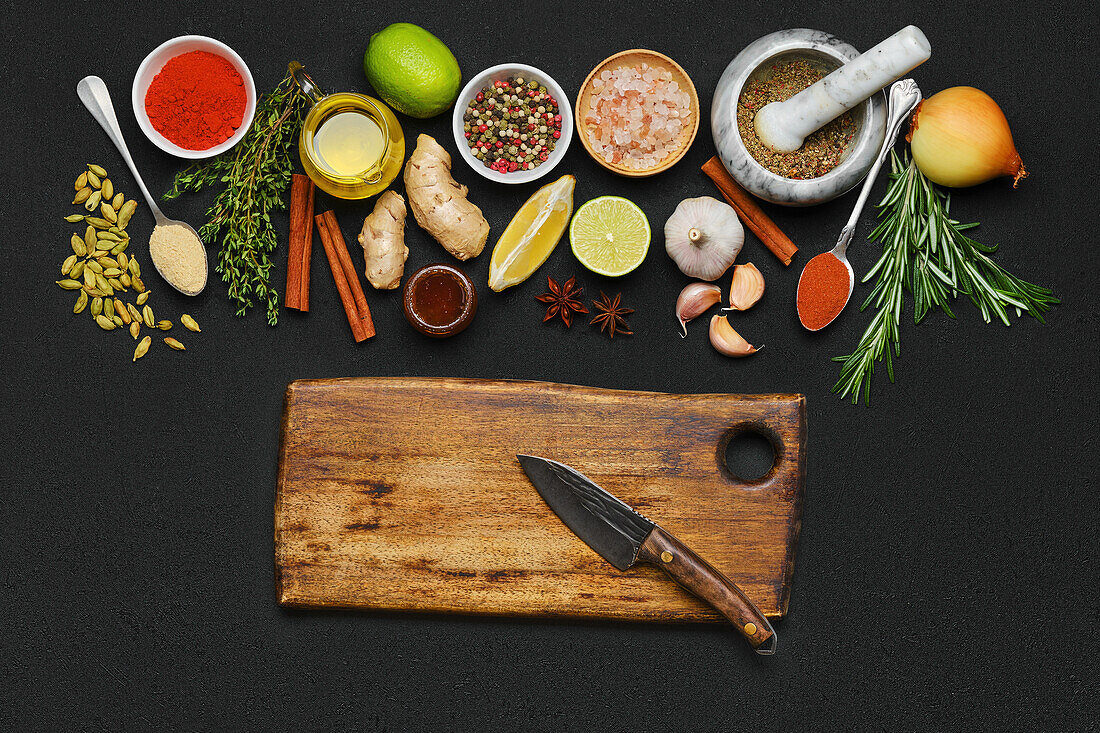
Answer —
349 143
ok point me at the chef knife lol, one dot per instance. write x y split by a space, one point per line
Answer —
624 537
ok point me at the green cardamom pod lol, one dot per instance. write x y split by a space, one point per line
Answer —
123 260
107 212
97 305
135 329
126 212
126 280
134 267
142 298
109 308
93 201
94 266
189 323
81 302
97 170
147 316
94 180
107 189
82 195
68 284
67 265
122 312
90 238
109 237
78 270
134 312
115 283
73 218
105 323
139 285
89 278
172 343
142 348
164 325
107 261
120 247
98 222
117 201
111 271
117 321
81 181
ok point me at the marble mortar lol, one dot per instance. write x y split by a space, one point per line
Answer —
755 60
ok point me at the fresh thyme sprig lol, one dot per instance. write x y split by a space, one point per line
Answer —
925 252
255 176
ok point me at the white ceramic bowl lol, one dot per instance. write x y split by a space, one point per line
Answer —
499 73
152 65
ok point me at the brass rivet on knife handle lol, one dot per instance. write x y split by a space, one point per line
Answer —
750 628
666 556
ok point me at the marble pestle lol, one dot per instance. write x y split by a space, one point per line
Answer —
783 126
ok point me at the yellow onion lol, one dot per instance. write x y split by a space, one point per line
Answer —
960 138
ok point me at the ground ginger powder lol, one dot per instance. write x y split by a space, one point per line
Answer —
179 257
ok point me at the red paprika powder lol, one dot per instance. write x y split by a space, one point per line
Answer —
822 291
197 100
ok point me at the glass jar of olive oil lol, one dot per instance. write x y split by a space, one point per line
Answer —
351 145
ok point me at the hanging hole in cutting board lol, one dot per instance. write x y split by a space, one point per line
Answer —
750 453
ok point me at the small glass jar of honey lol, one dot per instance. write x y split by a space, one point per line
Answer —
440 300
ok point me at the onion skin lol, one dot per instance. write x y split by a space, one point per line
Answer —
960 138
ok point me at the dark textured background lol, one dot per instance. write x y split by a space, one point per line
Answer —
946 574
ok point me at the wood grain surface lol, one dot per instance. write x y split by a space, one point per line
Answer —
405 494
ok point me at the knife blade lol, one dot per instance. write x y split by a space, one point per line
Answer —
624 537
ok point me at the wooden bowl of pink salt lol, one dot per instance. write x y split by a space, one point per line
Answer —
637 113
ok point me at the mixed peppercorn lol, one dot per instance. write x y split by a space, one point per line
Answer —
512 125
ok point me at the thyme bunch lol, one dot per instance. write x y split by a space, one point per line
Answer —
255 176
925 252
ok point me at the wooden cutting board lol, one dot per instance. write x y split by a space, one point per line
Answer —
405 494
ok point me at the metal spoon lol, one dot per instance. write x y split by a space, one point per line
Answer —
93 93
902 98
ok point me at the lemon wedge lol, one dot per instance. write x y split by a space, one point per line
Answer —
610 235
532 234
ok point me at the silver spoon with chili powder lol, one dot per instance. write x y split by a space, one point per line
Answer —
821 292
93 93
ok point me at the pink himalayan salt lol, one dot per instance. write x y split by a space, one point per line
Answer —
637 116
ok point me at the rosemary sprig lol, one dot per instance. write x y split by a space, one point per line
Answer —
255 175
925 252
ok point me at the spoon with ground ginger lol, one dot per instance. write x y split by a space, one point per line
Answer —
174 246
827 280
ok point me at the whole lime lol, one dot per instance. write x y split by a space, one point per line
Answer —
412 70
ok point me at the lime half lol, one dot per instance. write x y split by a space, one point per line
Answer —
610 235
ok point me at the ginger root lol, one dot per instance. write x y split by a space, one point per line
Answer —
383 240
439 204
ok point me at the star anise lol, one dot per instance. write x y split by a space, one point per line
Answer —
564 300
611 317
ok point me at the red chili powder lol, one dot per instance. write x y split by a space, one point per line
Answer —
197 100
822 291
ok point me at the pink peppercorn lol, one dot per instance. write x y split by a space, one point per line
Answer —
557 134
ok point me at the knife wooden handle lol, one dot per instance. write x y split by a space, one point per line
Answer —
697 576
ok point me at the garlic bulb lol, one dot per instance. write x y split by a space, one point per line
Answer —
747 287
703 237
727 341
694 300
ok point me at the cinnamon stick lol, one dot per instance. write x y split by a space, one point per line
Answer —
350 309
301 243
751 213
327 222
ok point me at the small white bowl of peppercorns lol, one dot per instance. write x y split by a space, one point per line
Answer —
512 123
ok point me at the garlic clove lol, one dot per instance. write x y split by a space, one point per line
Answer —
694 300
746 288
727 341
